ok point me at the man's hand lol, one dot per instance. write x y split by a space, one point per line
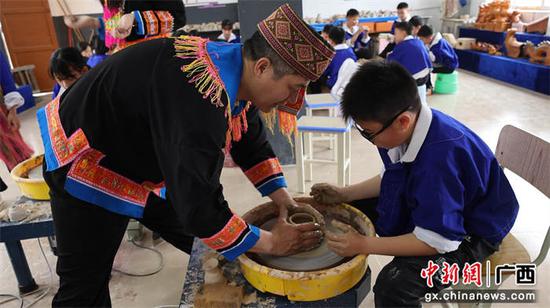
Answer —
327 194
124 27
290 239
13 120
348 244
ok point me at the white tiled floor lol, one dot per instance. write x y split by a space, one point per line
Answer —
482 104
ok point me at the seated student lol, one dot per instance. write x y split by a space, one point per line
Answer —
343 52
85 49
67 65
413 55
402 16
441 197
416 22
326 31
357 37
227 33
100 52
442 54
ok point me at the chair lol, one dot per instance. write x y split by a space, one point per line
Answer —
529 157
334 126
24 75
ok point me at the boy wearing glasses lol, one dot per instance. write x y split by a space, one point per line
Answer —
441 197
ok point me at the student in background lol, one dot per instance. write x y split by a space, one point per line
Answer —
13 149
67 65
343 52
442 54
413 55
326 31
441 195
85 49
357 37
402 16
227 33
100 52
416 23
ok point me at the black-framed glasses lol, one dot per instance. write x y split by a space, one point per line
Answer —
370 137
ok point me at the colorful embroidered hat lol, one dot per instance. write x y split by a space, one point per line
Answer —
296 42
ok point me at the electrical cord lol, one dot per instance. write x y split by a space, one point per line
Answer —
158 269
39 297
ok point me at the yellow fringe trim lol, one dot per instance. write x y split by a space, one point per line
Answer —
287 123
201 71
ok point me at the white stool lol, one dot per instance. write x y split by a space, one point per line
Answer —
323 101
304 150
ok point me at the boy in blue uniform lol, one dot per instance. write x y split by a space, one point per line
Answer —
402 16
413 55
441 197
343 52
227 33
357 37
442 54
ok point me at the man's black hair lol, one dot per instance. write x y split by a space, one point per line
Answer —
226 23
352 13
402 5
405 26
65 60
378 91
425 31
327 28
337 35
416 21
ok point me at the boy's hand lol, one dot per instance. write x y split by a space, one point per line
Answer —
327 193
348 244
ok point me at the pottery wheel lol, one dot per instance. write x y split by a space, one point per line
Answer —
319 258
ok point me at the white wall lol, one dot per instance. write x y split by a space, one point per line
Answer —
328 8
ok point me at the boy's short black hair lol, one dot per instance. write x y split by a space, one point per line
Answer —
402 5
65 60
405 26
327 28
416 21
337 35
378 91
352 13
226 23
425 31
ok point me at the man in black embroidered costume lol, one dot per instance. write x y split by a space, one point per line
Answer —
143 135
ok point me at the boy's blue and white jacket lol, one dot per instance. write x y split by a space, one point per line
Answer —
343 52
413 55
442 53
443 186
362 40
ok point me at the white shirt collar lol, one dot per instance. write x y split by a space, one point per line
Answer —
407 153
436 39
341 46
231 37
348 30
408 37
